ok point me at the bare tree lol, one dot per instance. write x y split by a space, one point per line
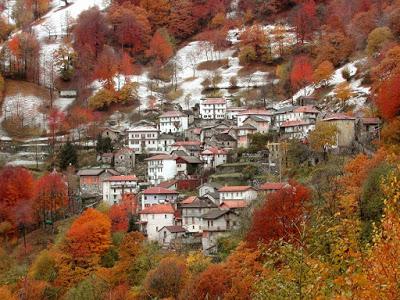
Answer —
50 28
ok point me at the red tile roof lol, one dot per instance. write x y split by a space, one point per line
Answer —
267 186
306 109
122 178
159 191
256 111
158 209
171 114
213 151
338 116
162 157
233 204
167 184
214 101
189 200
294 123
237 188
186 143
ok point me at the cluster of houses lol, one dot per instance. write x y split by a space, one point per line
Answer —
178 149
168 216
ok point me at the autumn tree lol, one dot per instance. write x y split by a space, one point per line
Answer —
322 137
89 236
160 48
17 189
305 20
323 72
254 45
167 279
181 22
51 197
334 46
343 92
388 99
377 39
64 60
302 73
158 12
90 35
381 267
131 26
23 55
280 216
106 68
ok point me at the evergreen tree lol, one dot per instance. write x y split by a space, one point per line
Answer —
68 155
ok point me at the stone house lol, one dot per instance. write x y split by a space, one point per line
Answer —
124 160
216 223
91 180
192 211
169 234
346 126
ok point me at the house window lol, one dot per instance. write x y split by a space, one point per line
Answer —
152 216
156 228
165 216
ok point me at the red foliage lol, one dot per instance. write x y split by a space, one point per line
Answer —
119 213
52 195
131 26
388 99
302 72
305 20
106 68
17 189
280 216
90 32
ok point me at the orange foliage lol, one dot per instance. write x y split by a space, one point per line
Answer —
160 47
167 279
89 236
231 280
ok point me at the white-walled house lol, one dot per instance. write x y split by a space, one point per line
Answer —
213 108
244 192
307 113
173 122
296 129
155 217
209 187
143 139
158 195
232 112
255 112
115 186
165 142
213 157
161 168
